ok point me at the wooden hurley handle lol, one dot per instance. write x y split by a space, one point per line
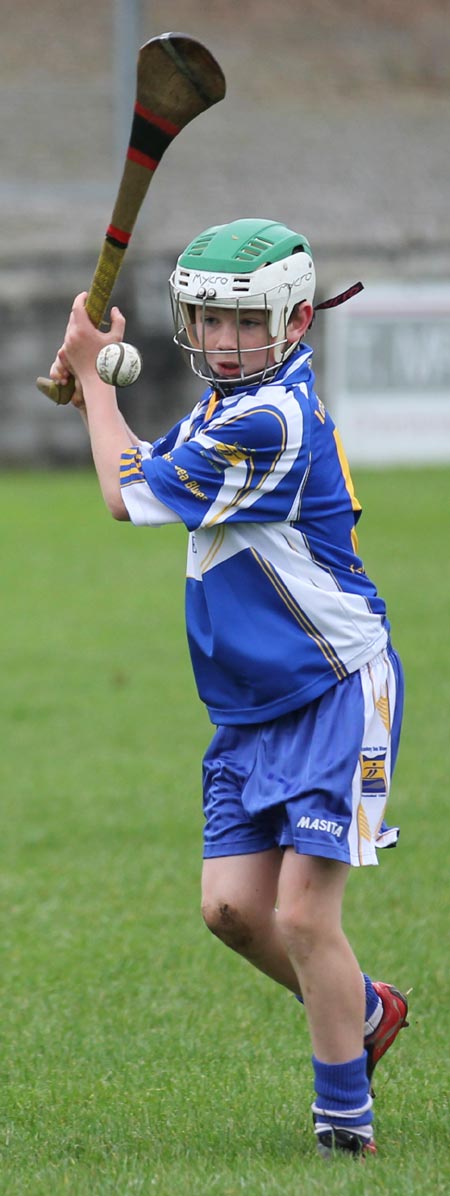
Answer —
106 271
177 79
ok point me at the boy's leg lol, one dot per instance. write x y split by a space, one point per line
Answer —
302 943
239 895
310 897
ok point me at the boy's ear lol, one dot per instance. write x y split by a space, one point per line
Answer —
300 321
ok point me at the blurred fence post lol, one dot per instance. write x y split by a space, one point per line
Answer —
127 39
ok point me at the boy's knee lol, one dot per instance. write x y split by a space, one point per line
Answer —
298 929
228 924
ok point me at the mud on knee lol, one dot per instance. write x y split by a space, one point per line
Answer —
227 924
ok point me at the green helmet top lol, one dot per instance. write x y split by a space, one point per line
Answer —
242 246
247 264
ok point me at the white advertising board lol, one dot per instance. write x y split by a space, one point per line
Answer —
387 374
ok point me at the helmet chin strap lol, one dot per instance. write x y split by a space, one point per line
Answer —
327 303
341 298
281 357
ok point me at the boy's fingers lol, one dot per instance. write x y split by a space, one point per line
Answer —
59 371
117 328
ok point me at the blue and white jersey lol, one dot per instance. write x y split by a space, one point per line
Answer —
278 605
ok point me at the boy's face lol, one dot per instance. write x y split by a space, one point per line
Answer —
234 350
238 347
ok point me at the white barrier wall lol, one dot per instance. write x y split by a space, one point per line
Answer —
387 374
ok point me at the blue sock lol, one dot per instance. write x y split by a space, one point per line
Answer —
343 1099
372 998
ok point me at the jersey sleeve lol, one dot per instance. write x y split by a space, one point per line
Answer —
143 507
245 464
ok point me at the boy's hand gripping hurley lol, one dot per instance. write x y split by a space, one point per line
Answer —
177 79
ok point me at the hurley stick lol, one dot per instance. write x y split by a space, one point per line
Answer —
177 79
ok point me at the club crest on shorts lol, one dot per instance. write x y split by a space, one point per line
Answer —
373 774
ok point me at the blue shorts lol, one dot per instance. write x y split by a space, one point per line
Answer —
317 779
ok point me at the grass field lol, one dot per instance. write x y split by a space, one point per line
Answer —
137 1054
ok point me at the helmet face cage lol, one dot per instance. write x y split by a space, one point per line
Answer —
188 317
246 265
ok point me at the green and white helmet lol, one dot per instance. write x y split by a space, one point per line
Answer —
248 264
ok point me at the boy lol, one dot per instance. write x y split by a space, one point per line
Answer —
288 636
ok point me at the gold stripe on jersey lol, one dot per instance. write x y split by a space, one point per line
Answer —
131 467
356 506
247 488
301 617
214 549
213 402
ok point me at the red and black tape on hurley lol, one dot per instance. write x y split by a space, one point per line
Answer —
177 79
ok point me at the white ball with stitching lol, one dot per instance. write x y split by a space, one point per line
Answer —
119 364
